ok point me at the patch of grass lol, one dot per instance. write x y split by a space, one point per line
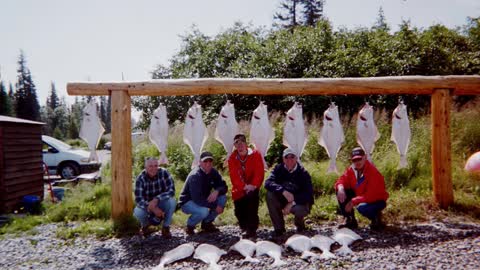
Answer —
98 228
22 224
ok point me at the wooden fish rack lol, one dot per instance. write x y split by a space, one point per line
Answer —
441 89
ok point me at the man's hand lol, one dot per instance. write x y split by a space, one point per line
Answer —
152 205
287 208
219 210
341 196
213 196
249 188
159 213
288 196
349 207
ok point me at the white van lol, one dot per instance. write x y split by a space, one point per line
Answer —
64 160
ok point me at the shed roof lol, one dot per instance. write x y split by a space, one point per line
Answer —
4 118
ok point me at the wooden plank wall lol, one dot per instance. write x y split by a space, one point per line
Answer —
20 163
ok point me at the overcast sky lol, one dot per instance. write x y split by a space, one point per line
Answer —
99 40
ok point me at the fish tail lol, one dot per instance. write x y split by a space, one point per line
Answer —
93 156
251 260
163 158
214 266
307 253
403 161
278 262
159 267
327 255
344 250
332 168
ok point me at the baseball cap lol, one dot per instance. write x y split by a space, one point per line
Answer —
357 152
206 155
288 151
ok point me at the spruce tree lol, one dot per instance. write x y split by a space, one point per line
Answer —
53 100
381 23
287 17
312 11
26 102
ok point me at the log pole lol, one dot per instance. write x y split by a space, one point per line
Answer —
122 203
441 148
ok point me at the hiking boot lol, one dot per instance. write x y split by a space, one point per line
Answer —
166 233
350 223
190 230
209 227
377 224
278 236
252 235
146 231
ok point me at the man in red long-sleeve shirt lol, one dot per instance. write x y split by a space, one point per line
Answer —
361 186
246 173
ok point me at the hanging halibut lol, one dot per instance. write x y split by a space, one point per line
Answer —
261 133
158 132
331 135
473 163
91 129
227 127
181 252
209 254
294 133
195 133
401 132
367 132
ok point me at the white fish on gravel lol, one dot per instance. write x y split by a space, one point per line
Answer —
331 135
210 255
261 132
294 133
91 129
401 132
323 243
227 127
158 132
181 252
195 133
302 244
345 237
367 132
272 250
473 163
246 248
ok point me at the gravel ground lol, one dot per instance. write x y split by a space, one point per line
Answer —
435 245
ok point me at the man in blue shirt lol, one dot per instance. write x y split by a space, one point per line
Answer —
289 191
155 198
203 195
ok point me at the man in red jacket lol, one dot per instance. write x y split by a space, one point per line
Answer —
246 173
361 186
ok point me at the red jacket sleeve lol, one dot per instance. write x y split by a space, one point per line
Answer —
234 170
259 170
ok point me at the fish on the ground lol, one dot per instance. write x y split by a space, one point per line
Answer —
302 244
473 163
158 132
294 132
345 237
272 250
181 252
91 129
401 132
367 132
195 133
246 248
331 135
261 132
227 127
210 255
323 243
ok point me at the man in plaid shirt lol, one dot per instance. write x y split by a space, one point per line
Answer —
155 198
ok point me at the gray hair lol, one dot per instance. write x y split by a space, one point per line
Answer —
147 159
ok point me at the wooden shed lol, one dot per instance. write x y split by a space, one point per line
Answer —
21 171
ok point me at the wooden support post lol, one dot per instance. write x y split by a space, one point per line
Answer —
122 203
441 148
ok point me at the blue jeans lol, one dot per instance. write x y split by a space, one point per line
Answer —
167 206
371 210
200 213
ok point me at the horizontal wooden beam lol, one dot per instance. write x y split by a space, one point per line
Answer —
417 85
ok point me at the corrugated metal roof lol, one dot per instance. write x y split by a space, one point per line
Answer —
4 118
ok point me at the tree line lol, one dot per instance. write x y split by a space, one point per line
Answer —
301 50
61 120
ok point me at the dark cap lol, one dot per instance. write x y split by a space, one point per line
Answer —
357 152
288 151
206 155
239 137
